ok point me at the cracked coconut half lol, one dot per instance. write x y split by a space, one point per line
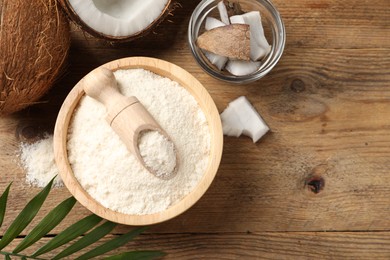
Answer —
117 20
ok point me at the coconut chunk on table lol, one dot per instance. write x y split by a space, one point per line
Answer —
240 117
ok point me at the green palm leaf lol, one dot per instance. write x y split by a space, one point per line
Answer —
52 219
137 255
3 203
69 234
112 244
25 216
88 239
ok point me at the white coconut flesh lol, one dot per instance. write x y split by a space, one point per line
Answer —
118 18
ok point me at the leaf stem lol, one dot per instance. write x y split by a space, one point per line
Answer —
14 254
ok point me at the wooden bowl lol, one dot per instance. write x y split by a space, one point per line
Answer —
207 105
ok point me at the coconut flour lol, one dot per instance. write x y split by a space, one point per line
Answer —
112 175
37 159
158 153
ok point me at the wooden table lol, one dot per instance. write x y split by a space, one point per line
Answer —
316 186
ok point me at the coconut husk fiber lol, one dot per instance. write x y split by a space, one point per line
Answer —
34 42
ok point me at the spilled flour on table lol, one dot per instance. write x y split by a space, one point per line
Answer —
37 159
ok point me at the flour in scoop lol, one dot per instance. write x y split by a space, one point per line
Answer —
158 153
112 175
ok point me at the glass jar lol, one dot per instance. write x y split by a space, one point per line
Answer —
273 29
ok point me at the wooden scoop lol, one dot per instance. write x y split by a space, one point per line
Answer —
126 115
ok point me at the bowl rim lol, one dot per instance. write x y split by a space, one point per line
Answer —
165 69
246 79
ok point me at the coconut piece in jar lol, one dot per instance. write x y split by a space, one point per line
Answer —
212 23
223 13
217 60
232 41
242 67
259 44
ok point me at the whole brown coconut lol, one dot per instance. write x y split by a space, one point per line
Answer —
34 42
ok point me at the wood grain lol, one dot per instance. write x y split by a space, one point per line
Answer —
323 167
313 123
274 245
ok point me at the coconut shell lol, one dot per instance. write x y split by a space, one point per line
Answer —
34 42
232 41
170 6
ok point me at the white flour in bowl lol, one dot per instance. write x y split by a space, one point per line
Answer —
111 174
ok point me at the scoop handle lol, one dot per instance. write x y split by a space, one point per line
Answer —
101 84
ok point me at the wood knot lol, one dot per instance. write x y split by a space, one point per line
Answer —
28 133
297 86
315 184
